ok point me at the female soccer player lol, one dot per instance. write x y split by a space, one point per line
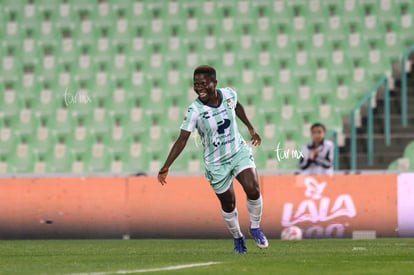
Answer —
226 154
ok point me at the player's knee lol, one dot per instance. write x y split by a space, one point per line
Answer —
228 207
253 191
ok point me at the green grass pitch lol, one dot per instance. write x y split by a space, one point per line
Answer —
102 257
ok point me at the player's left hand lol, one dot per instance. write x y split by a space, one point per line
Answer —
255 138
162 175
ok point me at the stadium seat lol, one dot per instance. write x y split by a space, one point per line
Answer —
43 139
134 61
11 66
9 101
99 157
5 165
119 134
23 160
24 122
62 122
409 154
78 164
80 139
8 137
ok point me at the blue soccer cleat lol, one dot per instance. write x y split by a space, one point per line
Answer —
259 237
239 246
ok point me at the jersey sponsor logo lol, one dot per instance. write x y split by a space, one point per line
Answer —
206 115
223 125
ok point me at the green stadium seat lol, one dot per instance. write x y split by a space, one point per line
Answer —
393 166
10 67
12 25
64 78
62 122
119 164
392 42
5 166
120 67
409 151
47 30
406 20
135 155
47 102
377 63
99 157
284 42
284 80
345 97
98 119
119 134
78 164
24 122
135 58
306 100
23 159
288 118
9 100
323 83
60 158
8 138
355 46
327 113
84 69
361 79
282 12
302 63
68 49
80 140
43 139
102 83
339 64
139 83
30 49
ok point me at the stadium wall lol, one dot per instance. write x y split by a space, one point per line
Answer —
139 207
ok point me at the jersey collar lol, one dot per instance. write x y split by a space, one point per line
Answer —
212 106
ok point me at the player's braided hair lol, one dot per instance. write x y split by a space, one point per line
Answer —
206 69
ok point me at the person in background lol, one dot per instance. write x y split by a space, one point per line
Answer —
317 156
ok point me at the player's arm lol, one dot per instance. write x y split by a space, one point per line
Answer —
175 151
241 114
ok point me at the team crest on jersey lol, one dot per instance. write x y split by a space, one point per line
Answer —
229 103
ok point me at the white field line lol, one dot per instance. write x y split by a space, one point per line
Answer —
172 267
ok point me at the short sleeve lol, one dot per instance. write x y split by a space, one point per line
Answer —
190 120
233 93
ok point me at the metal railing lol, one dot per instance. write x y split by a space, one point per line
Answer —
370 117
404 85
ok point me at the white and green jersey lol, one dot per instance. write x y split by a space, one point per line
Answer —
216 126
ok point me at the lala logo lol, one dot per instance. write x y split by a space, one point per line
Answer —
318 208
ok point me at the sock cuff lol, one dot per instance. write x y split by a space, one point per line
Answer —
255 202
229 215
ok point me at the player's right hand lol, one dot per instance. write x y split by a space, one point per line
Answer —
162 175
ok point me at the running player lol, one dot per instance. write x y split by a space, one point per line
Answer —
226 154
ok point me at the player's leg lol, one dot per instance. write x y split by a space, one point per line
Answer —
244 169
221 181
231 218
248 179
